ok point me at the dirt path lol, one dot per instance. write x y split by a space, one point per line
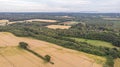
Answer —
11 56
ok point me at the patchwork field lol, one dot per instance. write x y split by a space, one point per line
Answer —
12 56
58 27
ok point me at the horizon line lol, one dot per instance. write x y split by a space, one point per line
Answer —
61 12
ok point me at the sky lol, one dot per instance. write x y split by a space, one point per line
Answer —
101 6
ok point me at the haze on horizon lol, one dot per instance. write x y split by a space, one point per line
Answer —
60 6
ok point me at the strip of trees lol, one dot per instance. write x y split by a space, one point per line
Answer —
46 58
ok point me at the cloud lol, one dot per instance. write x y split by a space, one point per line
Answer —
72 2
20 5
59 5
109 6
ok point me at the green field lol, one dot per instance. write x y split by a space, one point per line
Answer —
116 24
95 42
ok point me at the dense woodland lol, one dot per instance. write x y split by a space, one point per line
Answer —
95 29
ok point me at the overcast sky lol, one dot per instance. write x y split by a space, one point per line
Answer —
59 5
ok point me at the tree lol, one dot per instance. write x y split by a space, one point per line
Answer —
23 45
47 58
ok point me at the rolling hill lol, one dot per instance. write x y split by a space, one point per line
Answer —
12 56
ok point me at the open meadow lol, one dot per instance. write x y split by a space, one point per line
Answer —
95 42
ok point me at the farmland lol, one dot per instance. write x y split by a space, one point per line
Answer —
117 63
86 37
58 27
69 23
4 21
60 56
41 20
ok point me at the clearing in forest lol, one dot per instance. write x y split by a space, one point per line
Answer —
94 42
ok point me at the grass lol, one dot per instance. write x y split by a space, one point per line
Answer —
116 24
117 63
95 42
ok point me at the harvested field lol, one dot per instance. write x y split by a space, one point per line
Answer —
69 23
4 21
12 22
58 27
41 20
12 56
117 63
